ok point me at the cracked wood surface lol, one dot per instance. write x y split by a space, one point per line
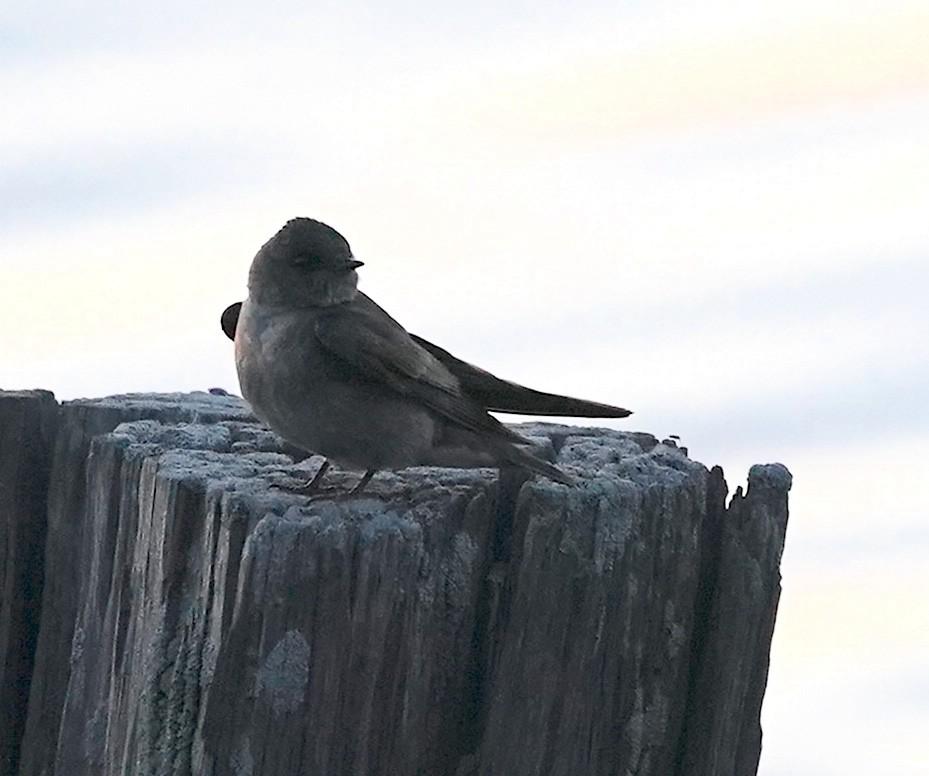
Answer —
200 618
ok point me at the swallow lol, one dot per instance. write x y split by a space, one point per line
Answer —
334 374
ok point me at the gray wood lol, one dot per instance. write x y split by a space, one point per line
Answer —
27 433
69 542
443 621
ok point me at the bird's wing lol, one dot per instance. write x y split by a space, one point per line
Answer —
364 337
230 319
503 396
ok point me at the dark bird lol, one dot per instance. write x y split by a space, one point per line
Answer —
334 374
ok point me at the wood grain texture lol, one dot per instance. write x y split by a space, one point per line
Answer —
444 622
28 421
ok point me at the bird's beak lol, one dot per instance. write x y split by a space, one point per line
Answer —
353 264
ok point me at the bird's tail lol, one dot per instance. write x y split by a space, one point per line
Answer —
499 395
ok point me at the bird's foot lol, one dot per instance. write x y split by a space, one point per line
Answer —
314 486
340 494
310 488
362 483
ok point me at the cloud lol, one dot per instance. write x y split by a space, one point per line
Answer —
845 641
692 70
67 186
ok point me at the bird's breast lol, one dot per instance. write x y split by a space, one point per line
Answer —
274 361
317 402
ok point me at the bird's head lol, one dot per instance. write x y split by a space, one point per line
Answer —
306 264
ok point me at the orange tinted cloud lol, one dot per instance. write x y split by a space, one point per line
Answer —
728 77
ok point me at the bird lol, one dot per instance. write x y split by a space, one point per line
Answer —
335 375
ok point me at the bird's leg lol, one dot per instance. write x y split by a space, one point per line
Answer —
362 482
307 488
313 485
313 488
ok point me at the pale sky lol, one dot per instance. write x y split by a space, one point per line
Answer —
712 213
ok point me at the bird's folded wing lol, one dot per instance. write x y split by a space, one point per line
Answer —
229 320
503 396
364 337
